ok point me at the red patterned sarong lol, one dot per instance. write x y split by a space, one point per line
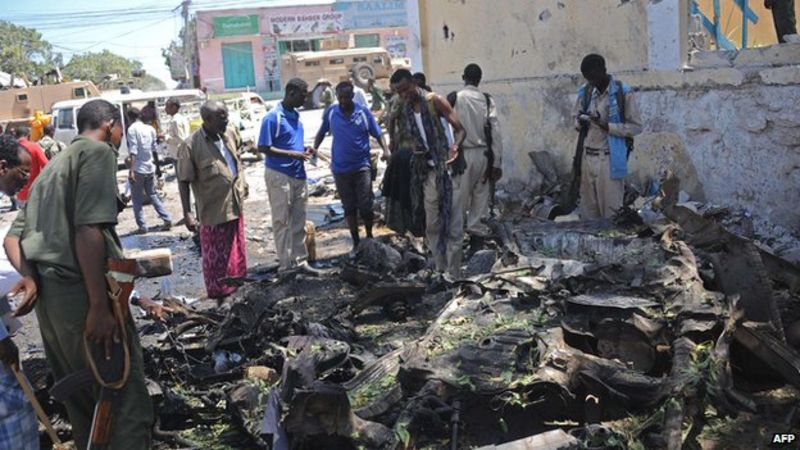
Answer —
224 256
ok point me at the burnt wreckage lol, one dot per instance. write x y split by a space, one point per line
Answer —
566 335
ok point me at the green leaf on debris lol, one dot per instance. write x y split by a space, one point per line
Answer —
369 392
208 437
466 382
402 434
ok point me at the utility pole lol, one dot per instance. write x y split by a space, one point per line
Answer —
187 61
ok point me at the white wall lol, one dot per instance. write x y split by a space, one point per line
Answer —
667 34
414 36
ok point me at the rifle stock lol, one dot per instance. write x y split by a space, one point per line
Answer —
104 419
122 273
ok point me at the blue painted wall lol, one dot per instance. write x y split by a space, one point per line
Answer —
362 14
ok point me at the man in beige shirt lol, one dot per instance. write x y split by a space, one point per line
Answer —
604 164
177 129
209 167
472 189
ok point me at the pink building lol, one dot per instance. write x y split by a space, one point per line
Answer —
240 49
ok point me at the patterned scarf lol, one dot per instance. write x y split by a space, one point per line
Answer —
437 151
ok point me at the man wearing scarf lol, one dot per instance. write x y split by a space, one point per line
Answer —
418 129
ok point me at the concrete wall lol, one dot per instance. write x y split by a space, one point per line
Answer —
730 128
530 37
729 125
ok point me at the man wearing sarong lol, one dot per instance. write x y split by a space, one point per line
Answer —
66 233
419 130
209 167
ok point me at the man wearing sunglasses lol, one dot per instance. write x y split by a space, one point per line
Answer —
18 425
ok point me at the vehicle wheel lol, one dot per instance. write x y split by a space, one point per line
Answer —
362 72
313 98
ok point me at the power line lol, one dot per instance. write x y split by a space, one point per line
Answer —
85 21
92 23
109 39
61 19
86 12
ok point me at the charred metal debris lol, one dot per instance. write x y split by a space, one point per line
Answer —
563 335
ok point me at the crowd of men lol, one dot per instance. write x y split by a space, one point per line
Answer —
443 158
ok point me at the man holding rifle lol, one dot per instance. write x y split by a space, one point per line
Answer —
483 151
61 244
607 117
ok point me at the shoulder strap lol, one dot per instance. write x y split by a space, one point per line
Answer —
620 100
587 96
487 128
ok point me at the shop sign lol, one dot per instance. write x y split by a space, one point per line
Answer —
306 24
235 26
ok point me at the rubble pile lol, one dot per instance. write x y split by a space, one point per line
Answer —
563 335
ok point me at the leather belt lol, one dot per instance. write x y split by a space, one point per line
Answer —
596 151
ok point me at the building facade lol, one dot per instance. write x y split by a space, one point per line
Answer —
721 120
240 49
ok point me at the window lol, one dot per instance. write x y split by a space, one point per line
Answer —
296 46
377 60
359 59
336 61
65 119
79 93
22 97
367 40
312 63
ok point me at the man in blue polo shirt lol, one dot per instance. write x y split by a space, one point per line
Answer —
281 139
351 125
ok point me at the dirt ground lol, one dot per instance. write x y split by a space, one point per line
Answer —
332 238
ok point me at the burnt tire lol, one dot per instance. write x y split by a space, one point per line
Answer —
362 72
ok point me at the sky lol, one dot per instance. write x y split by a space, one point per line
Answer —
139 33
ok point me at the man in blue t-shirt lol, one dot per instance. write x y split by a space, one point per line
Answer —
281 139
351 125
